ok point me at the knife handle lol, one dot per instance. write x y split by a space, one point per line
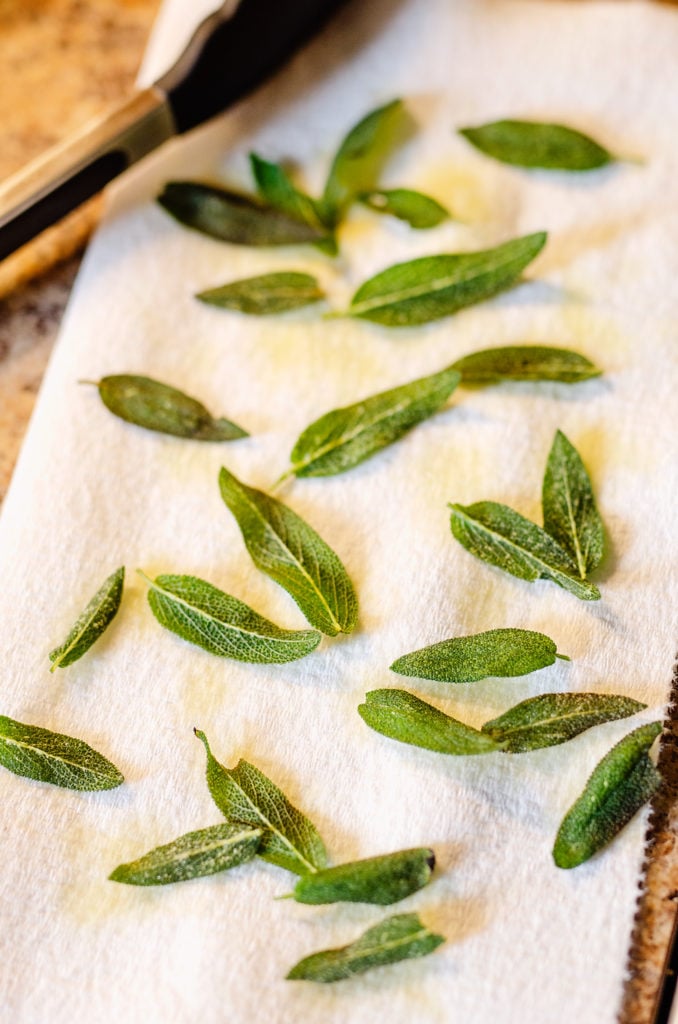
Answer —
68 174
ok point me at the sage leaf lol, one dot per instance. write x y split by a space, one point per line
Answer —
432 287
244 794
397 938
402 716
343 438
618 787
155 406
288 550
524 362
554 718
266 294
52 757
94 620
232 217
361 156
570 513
418 210
221 624
465 659
535 144
276 189
381 880
193 855
504 538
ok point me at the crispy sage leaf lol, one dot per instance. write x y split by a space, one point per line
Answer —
381 880
276 189
402 716
96 617
502 537
266 294
534 144
288 550
155 406
420 211
432 287
524 362
244 794
397 938
570 513
232 217
52 757
343 438
619 785
200 613
465 659
554 718
193 855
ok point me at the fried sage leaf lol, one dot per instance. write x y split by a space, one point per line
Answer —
155 406
524 362
381 880
221 624
554 718
402 716
502 537
618 787
535 144
232 217
343 438
288 550
244 794
570 513
266 294
432 287
96 617
52 757
397 938
193 855
420 211
276 189
465 659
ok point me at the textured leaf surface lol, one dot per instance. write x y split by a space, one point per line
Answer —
420 211
397 938
465 659
381 880
504 538
276 189
432 287
525 362
402 716
570 513
266 294
619 785
193 855
52 757
343 438
536 144
288 550
200 613
244 794
96 617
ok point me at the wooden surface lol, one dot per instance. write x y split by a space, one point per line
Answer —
65 61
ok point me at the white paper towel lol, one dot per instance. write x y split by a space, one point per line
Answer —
526 942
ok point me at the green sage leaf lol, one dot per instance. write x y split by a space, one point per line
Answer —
343 438
381 880
200 613
52 757
432 287
554 718
288 550
193 855
570 513
402 716
397 938
232 217
465 659
524 362
534 144
420 211
618 787
155 406
504 538
244 794
95 619
266 294
276 189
